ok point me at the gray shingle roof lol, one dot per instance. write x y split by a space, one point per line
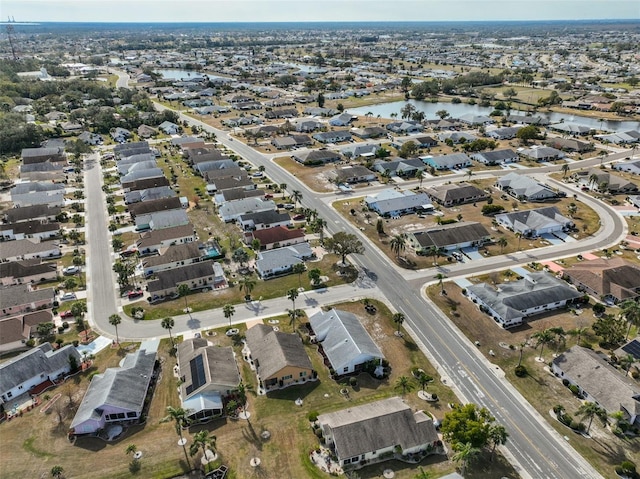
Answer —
275 350
453 234
283 257
172 277
20 294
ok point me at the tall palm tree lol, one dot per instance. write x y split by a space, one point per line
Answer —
589 410
320 224
630 309
115 320
497 436
464 454
440 277
398 244
298 269
543 337
560 336
627 361
292 294
202 439
246 284
398 318
502 242
423 380
579 331
565 169
434 251
404 384
228 311
183 291
293 315
181 419
519 236
168 323
296 196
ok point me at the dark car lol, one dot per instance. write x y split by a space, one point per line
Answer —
135 294
298 217
66 314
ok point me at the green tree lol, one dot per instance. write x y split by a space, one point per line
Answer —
498 436
180 417
590 410
202 439
168 324
57 472
464 454
543 338
183 291
292 295
70 283
398 244
246 284
528 133
298 269
240 255
228 311
404 384
440 277
565 169
45 331
611 330
630 310
314 276
443 114
424 379
344 244
293 315
398 318
408 149
296 196
115 320
467 424
502 242
320 100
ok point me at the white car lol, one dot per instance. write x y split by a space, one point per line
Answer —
68 296
71 270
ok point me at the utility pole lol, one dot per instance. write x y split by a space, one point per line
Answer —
10 32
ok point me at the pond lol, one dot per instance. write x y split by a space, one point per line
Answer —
171 74
457 109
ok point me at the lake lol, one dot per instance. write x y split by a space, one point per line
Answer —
171 74
457 109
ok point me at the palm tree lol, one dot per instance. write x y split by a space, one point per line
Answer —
589 410
502 242
543 337
420 175
298 269
398 318
565 169
398 244
560 336
464 454
296 196
292 294
168 323
181 419
57 472
572 209
320 225
423 380
434 251
202 439
183 291
282 187
593 180
627 361
404 383
246 284
497 436
440 277
422 474
131 449
228 311
630 309
519 236
293 314
578 332
115 320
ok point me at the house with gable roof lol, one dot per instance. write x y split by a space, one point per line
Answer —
280 261
614 279
395 203
536 222
524 187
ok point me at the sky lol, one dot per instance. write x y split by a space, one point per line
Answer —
314 10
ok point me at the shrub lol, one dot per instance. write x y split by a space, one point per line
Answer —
565 419
574 389
312 416
557 408
521 371
65 325
491 209
318 432
353 382
565 382
577 426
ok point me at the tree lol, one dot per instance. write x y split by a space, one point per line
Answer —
314 276
228 311
565 169
398 244
497 437
423 380
440 277
45 331
124 270
78 308
627 361
57 472
296 196
293 315
70 283
408 149
407 110
467 424
247 284
434 251
510 93
528 133
502 242
181 419
572 209
344 244
115 320
404 384
298 269
630 309
589 410
398 318
542 338
240 255
442 114
292 294
183 291
464 454
319 226
320 100
202 439
168 323
611 330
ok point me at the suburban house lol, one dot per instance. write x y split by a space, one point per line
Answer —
37 193
457 137
22 298
572 129
44 171
399 167
447 162
525 188
276 237
28 213
534 223
133 163
26 271
34 229
513 302
149 194
504 133
630 166
151 241
208 376
333 136
456 193
614 279
369 132
280 261
203 275
39 365
342 119
621 137
475 120
279 359
406 127
232 194
569 144
263 220
377 432
161 219
308 125
602 180
133 176
169 128
316 157
152 206
352 174
599 382
120 135
170 257
42 155
232 210
496 157
421 141
542 153
395 203
346 344
360 150
449 237
146 183
283 142
27 249
118 396
17 330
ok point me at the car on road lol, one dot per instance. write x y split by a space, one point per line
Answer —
66 314
71 270
136 293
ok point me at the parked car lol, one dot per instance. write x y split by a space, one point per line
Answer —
136 293
68 296
66 315
289 206
71 270
298 217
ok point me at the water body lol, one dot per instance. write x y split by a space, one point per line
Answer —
171 74
457 109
